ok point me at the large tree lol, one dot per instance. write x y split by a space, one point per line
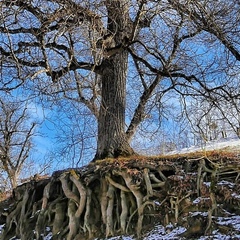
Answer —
90 49
16 133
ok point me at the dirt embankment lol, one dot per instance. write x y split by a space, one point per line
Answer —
128 196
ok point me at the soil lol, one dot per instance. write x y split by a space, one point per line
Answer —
125 196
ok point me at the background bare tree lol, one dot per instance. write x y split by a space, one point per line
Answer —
75 141
16 132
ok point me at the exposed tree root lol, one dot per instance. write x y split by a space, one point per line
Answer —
121 196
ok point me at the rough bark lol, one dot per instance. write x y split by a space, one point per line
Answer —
112 141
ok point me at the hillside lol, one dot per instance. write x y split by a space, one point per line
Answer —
231 145
192 195
228 227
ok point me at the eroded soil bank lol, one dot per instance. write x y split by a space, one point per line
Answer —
128 196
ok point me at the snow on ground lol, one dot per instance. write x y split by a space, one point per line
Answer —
159 232
170 232
232 221
164 233
211 145
1 227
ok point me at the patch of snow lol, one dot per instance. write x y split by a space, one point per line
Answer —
217 236
211 145
1 227
157 203
169 226
229 184
164 233
38 211
226 212
194 214
208 184
234 221
199 199
121 238
48 237
48 229
157 233
235 195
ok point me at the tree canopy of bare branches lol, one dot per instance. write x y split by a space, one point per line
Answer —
16 132
95 52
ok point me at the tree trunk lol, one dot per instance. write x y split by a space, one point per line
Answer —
112 141
13 180
11 172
